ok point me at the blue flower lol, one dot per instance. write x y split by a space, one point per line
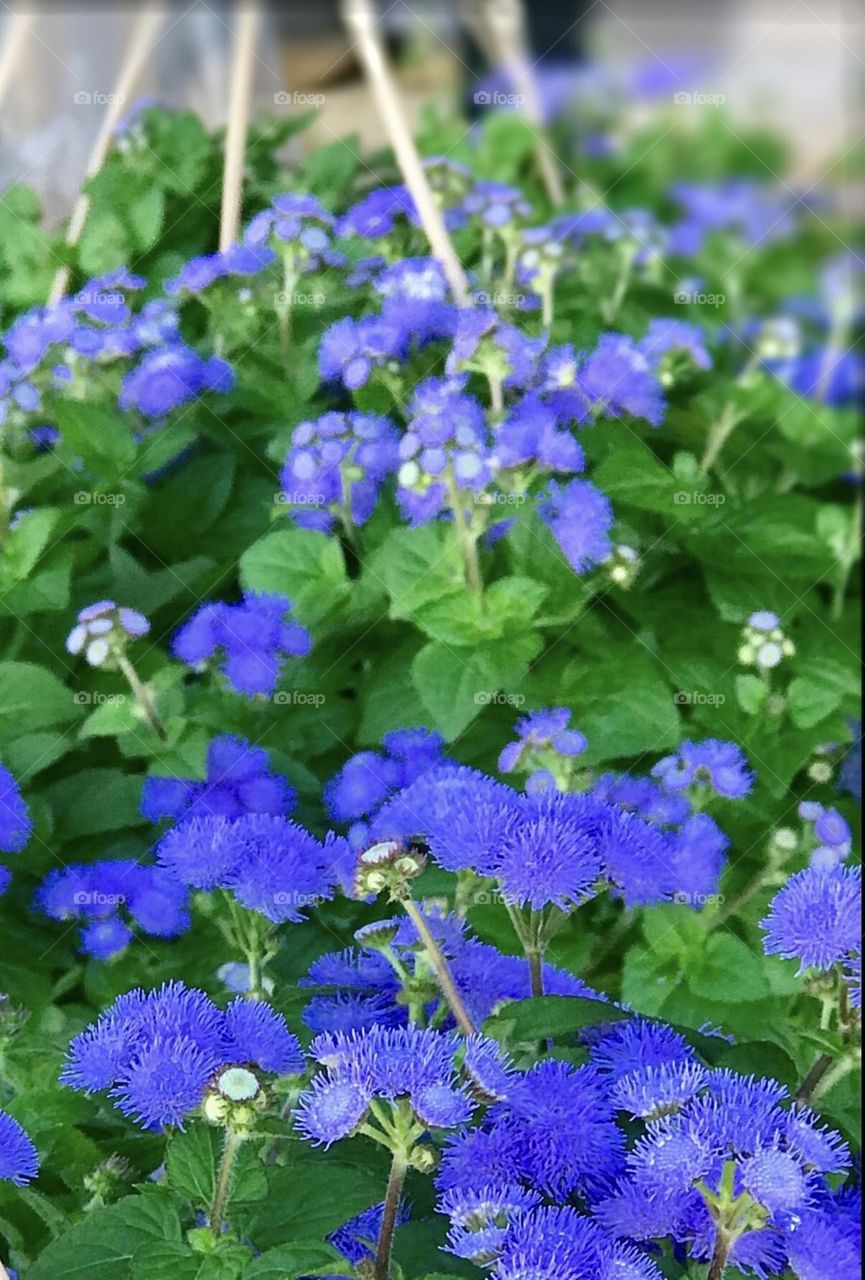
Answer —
19 1161
711 763
384 1063
549 852
336 466
251 639
271 865
580 518
564 1123
357 1239
816 917
460 813
825 1243
170 377
110 898
238 781
666 336
158 1051
103 628
15 821
350 349
531 433
553 1243
369 777
651 1092
374 216
617 378
543 730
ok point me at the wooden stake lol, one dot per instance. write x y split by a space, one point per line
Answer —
505 22
17 30
245 39
361 22
141 42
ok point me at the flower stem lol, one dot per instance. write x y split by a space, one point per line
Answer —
805 1092
719 1257
440 965
467 542
381 1266
719 433
142 696
842 1068
536 972
216 1215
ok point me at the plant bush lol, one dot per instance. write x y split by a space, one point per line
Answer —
429 742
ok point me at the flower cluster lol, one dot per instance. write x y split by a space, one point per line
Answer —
711 766
111 899
436 1079
829 834
335 468
543 738
238 781
15 821
764 644
162 1054
270 865
19 1161
250 639
368 778
816 917
103 630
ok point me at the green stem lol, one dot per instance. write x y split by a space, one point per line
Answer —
719 1257
841 1069
381 1266
536 972
719 433
440 965
221 1190
467 542
142 696
805 1092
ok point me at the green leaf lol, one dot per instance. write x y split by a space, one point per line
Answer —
102 438
751 694
174 1261
528 1021
812 698
419 566
31 697
94 800
289 1261
102 1246
193 1158
455 684
727 970
306 567
23 545
314 1193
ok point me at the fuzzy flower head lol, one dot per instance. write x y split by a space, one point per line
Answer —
549 853
580 518
15 821
19 1162
249 640
103 631
368 778
673 345
269 864
711 764
446 448
170 377
763 642
239 781
618 378
336 466
816 917
404 1066
162 1054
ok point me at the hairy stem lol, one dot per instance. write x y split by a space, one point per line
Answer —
440 965
381 1266
719 433
719 1257
536 972
216 1215
467 542
805 1092
142 696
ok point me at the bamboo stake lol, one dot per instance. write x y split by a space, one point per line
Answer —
246 37
141 41
17 30
361 23
506 24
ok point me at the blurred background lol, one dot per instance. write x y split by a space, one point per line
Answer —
792 66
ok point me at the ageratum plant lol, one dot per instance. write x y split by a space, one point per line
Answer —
429 737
